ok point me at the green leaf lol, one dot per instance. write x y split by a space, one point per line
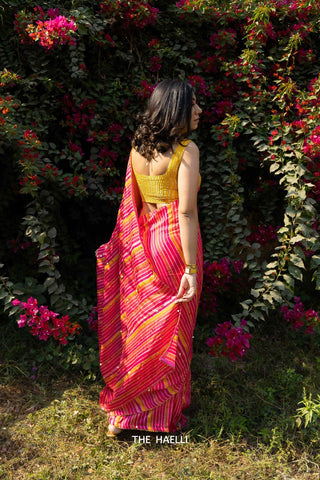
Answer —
53 288
297 238
8 299
14 310
274 167
256 246
17 292
261 305
49 281
52 233
279 285
276 296
289 280
290 211
255 292
295 272
43 254
257 315
272 264
270 273
315 261
42 238
297 261
44 263
245 304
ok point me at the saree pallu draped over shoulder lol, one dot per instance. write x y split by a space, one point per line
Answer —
145 337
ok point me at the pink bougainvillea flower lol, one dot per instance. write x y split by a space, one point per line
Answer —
44 323
93 320
263 234
145 90
299 318
155 64
229 341
56 31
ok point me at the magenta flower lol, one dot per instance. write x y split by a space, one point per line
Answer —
145 90
56 31
110 40
155 64
218 276
154 43
263 234
44 323
229 341
299 318
93 320
22 321
237 265
139 13
199 84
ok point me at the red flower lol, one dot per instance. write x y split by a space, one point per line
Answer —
155 64
230 341
299 318
45 323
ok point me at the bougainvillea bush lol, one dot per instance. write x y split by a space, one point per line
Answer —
74 75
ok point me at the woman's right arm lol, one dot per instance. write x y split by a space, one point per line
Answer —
188 179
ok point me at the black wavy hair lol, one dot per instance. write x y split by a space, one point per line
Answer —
166 119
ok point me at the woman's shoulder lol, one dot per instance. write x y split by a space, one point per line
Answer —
190 158
192 148
134 151
138 162
136 156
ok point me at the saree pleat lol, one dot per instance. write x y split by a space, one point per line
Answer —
145 337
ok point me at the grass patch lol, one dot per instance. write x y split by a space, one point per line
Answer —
242 420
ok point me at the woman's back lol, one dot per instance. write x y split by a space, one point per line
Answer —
157 166
158 179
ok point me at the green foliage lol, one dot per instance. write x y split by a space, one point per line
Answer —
243 417
67 112
310 410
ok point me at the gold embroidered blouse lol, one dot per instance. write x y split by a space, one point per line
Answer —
162 188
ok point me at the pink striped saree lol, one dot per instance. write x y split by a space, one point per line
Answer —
145 338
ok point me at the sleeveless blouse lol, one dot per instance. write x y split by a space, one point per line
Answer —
162 188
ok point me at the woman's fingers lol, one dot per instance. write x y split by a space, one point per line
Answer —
187 289
186 296
181 291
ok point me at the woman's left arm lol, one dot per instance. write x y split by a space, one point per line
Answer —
188 178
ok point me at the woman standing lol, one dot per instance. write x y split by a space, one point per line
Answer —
150 272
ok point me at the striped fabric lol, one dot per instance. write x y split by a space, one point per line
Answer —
145 338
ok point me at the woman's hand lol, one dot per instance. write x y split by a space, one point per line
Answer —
188 287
